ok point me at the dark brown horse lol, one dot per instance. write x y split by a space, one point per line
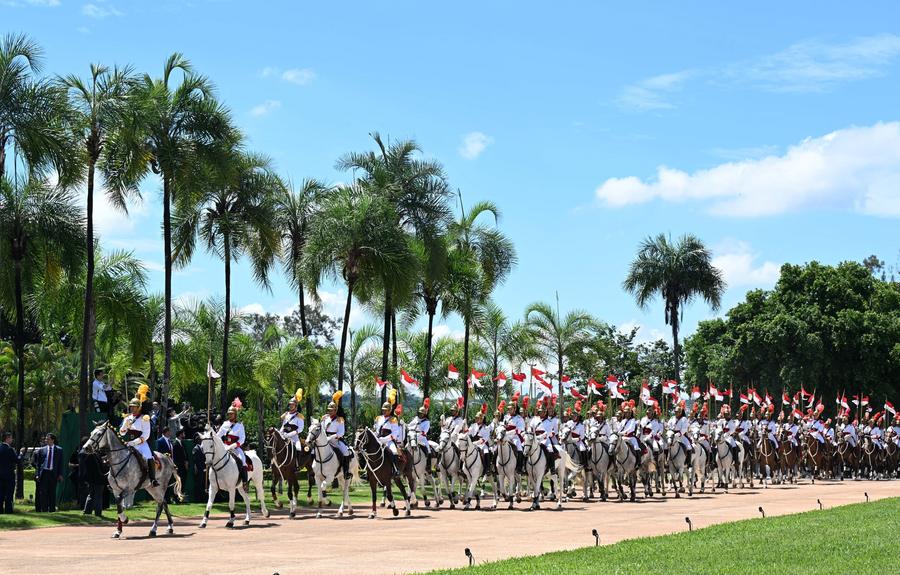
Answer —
790 457
379 471
287 462
846 457
817 456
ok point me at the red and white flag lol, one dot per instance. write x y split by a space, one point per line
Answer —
380 383
645 394
669 386
812 401
210 372
768 399
803 393
407 378
500 377
575 393
844 402
452 372
536 372
614 387
744 399
865 400
785 398
714 393
566 381
595 384
695 393
888 406
520 377
475 378
543 382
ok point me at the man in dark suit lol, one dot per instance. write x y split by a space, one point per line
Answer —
198 468
93 474
48 466
179 456
164 443
9 461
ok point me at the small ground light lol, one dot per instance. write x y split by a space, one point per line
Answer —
867 496
470 556
596 537
690 525
762 512
819 501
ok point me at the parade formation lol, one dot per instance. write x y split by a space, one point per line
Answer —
520 451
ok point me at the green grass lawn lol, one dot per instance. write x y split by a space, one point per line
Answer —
860 538
26 518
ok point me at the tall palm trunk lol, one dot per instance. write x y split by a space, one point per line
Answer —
305 332
675 345
167 323
87 340
385 343
465 378
19 249
352 397
350 284
260 410
223 393
394 341
495 366
426 384
562 395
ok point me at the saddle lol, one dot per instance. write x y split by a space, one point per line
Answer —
248 465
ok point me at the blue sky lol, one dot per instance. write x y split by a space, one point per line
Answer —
768 129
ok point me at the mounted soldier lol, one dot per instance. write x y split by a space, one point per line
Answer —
135 432
577 433
628 428
680 425
727 425
847 428
233 436
420 425
389 432
651 429
292 422
770 427
515 426
744 426
333 424
816 426
454 423
480 434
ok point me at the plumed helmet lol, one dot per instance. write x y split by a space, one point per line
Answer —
423 410
515 398
399 409
525 401
135 402
335 400
235 406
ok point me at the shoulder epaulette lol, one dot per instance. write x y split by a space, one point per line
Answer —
341 419
146 418
300 415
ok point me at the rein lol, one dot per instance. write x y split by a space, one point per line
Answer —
369 455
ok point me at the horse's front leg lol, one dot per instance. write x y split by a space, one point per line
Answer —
374 489
159 507
121 519
211 497
170 529
246 497
404 494
320 486
274 492
230 508
260 488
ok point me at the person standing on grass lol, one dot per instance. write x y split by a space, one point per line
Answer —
9 462
93 474
179 456
198 467
48 474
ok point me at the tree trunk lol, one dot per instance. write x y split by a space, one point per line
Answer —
20 357
350 284
394 342
385 343
496 381
260 411
167 322
676 347
426 383
465 378
223 393
87 340
562 395
305 332
352 399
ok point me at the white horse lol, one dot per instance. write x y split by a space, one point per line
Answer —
421 470
699 464
573 462
537 466
626 466
677 460
506 465
327 467
448 467
727 470
473 468
126 476
224 475
601 462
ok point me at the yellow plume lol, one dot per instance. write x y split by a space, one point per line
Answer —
299 395
337 396
142 392
392 396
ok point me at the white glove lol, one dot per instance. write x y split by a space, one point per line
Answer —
134 443
230 446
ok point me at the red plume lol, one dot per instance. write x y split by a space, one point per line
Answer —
502 405
515 397
483 408
578 405
427 403
525 401
459 402
237 403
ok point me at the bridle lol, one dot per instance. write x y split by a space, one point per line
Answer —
285 448
370 438
314 433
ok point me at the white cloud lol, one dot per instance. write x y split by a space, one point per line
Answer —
299 76
253 308
43 3
444 330
745 153
99 12
652 93
153 266
265 108
853 169
473 145
83 30
645 334
268 72
739 264
814 66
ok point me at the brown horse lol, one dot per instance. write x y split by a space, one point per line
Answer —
790 457
287 462
766 458
892 459
379 472
846 457
817 456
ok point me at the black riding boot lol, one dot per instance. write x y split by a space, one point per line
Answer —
345 466
242 471
689 457
151 472
583 456
520 462
734 454
392 459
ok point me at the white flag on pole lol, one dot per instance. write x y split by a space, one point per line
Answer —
210 372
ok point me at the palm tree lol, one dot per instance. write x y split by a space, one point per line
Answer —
41 233
521 349
418 191
480 259
32 115
354 237
558 336
174 131
493 330
434 277
356 359
98 108
678 272
233 216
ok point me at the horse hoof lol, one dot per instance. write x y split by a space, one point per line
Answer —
246 522
395 511
202 526
319 515
293 514
229 525
152 534
116 535
428 504
278 505
408 513
340 514
372 515
170 531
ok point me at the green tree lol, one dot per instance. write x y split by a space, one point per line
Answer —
97 111
493 330
354 237
41 237
481 258
177 131
233 217
678 272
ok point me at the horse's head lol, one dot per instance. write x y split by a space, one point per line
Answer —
564 432
315 430
463 441
447 438
499 434
97 440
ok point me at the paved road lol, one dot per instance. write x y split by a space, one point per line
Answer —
428 540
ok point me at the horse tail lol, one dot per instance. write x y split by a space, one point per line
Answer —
177 488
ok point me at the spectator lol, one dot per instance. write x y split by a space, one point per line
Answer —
93 474
75 475
48 474
174 420
179 456
164 443
99 391
9 462
198 464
